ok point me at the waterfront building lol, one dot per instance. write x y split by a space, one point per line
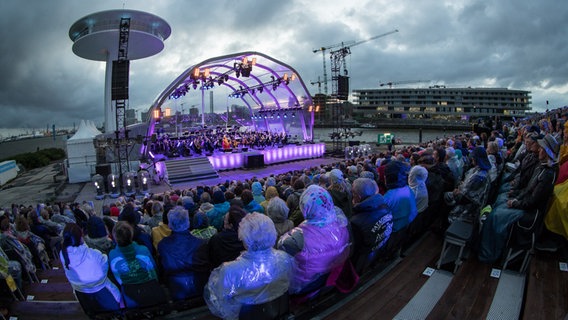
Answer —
441 103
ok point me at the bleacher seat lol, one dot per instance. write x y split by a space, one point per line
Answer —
99 303
457 235
274 309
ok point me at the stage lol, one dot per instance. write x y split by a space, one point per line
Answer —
268 156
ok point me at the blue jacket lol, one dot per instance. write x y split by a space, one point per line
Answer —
217 215
403 206
185 263
253 206
372 224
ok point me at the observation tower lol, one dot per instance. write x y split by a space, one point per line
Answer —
118 36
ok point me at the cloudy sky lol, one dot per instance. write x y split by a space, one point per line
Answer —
516 44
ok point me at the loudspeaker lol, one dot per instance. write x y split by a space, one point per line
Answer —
254 161
342 87
103 169
354 143
119 82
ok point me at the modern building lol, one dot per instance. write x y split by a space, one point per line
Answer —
441 103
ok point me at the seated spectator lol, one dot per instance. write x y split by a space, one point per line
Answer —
371 222
471 195
10 269
295 214
534 197
130 262
417 182
249 204
455 165
183 257
221 207
86 268
340 191
399 197
157 211
260 274
130 215
277 210
9 242
556 220
35 244
225 245
318 244
270 193
201 228
257 192
97 235
161 231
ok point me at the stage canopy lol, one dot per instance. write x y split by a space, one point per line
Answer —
273 93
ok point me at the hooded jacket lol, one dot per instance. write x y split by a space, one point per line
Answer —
88 270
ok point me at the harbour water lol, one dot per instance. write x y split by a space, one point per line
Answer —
12 148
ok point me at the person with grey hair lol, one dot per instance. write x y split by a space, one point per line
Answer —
184 258
371 223
278 211
246 281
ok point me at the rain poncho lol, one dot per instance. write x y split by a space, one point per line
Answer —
417 182
318 244
255 277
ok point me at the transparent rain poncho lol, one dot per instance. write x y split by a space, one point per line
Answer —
255 277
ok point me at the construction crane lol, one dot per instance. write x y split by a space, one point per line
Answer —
319 82
344 47
390 84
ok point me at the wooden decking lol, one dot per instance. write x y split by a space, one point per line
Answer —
380 294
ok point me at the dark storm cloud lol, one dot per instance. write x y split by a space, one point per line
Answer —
514 44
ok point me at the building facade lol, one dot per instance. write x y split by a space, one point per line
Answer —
441 103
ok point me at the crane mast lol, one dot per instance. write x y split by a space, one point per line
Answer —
340 84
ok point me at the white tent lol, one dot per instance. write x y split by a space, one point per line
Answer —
81 153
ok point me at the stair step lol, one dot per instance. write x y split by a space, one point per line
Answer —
51 291
61 310
190 169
